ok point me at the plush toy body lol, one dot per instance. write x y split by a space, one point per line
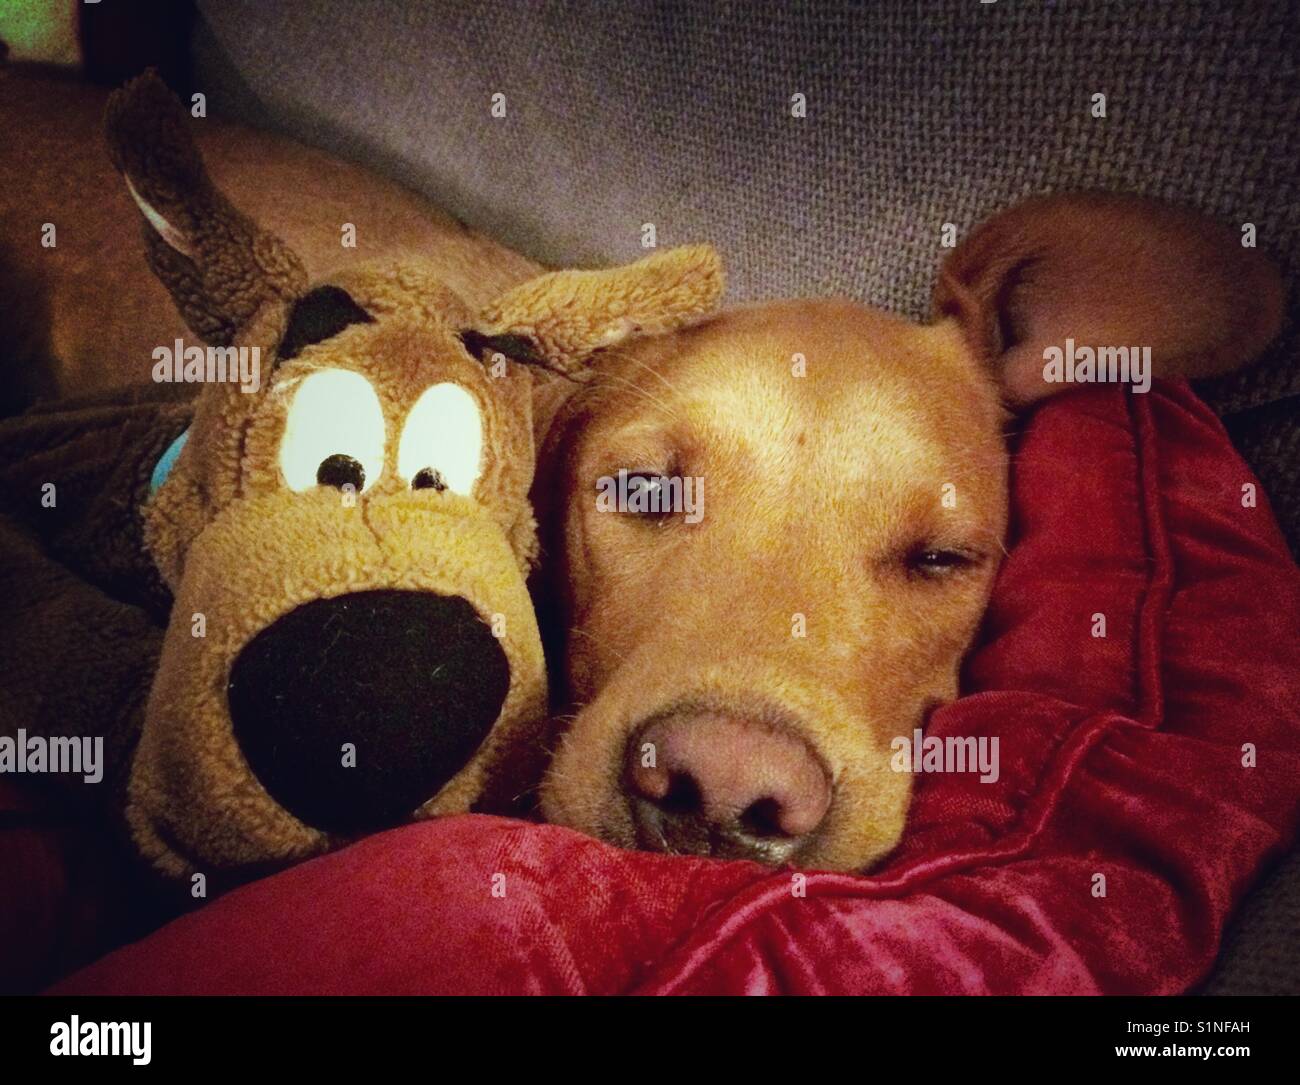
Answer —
345 529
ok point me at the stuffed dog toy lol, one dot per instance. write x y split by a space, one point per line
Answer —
344 525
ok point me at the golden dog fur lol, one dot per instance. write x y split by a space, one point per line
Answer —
84 316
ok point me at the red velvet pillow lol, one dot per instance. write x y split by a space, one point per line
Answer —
1106 858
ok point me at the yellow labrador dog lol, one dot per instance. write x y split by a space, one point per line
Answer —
769 539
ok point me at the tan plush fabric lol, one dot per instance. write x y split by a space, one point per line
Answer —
569 314
241 549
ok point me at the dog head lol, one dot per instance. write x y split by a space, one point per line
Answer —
742 662
346 531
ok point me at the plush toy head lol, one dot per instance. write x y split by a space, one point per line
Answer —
346 531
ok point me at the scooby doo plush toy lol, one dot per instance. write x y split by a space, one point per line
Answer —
345 531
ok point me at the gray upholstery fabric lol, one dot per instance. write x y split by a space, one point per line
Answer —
678 114
1259 954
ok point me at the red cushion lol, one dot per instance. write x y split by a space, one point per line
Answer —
1121 759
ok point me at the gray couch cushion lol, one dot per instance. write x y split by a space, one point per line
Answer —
678 114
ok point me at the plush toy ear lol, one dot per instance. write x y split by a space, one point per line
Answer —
229 279
218 264
559 319
1108 271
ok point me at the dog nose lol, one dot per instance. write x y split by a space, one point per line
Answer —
724 785
354 711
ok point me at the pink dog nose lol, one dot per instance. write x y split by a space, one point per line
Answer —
722 785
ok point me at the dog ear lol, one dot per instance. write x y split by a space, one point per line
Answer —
559 319
1108 271
219 266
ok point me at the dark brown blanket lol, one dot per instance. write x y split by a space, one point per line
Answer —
82 609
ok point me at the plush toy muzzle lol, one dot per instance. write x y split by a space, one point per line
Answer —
347 671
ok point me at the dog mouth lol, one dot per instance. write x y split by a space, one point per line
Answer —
676 827
353 711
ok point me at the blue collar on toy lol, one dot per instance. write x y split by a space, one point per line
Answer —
166 462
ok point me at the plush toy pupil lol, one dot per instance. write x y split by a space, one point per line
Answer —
340 470
428 479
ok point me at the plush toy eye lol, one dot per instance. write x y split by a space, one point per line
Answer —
442 443
334 434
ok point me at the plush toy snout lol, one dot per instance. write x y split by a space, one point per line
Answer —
315 681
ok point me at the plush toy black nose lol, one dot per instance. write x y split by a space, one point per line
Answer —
354 711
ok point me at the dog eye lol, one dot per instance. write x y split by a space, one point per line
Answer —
651 486
442 442
644 495
334 433
934 563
